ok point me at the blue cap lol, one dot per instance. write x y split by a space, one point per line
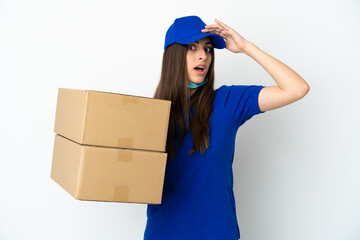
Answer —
186 30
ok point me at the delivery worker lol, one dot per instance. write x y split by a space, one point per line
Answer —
198 200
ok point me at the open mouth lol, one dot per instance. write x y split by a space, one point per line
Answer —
200 68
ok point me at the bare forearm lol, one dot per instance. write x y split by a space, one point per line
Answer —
290 86
286 78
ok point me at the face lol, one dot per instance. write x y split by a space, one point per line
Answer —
198 59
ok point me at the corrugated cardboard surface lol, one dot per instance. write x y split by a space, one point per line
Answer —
66 164
112 120
108 174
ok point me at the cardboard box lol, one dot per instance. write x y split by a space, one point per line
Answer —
112 120
108 174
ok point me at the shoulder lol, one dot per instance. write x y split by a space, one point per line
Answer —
239 101
222 88
225 90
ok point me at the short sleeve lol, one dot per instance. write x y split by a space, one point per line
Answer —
241 102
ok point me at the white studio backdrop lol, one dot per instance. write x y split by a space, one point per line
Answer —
296 169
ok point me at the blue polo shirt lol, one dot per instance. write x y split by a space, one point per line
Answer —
198 201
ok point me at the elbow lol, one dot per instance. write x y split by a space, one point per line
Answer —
302 91
306 89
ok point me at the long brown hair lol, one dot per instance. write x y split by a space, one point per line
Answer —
173 86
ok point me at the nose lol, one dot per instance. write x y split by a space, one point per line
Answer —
202 54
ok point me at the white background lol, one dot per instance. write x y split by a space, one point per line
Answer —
296 169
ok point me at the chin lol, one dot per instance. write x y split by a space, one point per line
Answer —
198 81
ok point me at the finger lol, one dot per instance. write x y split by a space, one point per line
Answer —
222 24
212 29
213 26
209 30
219 32
223 33
216 31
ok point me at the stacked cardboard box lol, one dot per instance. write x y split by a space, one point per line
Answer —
110 147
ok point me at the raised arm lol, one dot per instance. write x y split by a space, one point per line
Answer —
290 86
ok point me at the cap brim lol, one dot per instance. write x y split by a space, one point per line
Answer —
217 40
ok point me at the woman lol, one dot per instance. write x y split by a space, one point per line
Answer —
198 200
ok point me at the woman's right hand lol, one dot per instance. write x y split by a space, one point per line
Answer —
234 41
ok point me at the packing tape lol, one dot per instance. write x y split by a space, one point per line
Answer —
130 99
125 142
125 155
121 193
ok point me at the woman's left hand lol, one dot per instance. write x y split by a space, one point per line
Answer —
234 41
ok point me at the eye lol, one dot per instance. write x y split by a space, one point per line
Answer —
191 47
208 49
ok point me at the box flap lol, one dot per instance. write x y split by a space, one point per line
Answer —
66 164
70 113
